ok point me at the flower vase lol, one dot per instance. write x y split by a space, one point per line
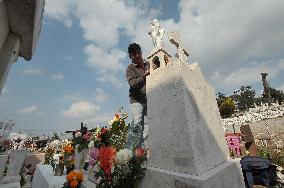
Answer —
69 169
91 174
80 158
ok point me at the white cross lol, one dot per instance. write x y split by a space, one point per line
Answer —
174 38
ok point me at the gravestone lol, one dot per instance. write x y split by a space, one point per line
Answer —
187 146
3 161
6 128
16 161
247 135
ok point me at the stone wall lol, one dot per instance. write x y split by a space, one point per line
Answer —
266 124
4 29
257 115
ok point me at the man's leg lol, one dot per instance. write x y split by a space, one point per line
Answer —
135 136
145 125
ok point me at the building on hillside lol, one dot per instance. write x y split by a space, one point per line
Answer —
20 27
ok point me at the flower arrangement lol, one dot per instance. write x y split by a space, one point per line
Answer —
69 157
48 158
82 138
113 165
5 145
74 179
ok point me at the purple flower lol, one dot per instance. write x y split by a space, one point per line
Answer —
94 153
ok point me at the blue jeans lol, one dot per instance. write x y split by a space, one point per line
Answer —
135 131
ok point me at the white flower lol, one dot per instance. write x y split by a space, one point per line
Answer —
78 134
123 156
56 157
91 144
55 143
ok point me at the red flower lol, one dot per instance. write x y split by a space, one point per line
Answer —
140 152
106 158
104 131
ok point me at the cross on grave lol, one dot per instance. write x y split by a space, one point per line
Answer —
174 38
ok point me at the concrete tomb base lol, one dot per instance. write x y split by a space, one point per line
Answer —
226 175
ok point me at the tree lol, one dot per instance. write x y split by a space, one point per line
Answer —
276 95
227 108
226 105
220 98
244 97
55 136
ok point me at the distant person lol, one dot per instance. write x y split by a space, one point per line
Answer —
136 73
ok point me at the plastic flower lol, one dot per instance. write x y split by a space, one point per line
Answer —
74 183
78 134
93 156
87 136
123 156
104 131
74 178
116 117
140 152
106 158
68 148
91 144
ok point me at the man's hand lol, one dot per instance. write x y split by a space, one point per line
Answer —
147 72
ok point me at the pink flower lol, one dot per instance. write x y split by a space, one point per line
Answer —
87 136
93 156
94 153
140 152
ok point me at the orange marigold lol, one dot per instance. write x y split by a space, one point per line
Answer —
71 176
74 183
79 176
68 148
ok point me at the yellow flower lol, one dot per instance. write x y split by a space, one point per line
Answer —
116 117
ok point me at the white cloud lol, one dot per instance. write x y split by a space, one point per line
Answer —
32 71
57 76
73 97
106 64
101 96
103 29
101 120
29 110
249 74
224 36
59 10
104 61
81 109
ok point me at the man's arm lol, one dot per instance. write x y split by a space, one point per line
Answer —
135 81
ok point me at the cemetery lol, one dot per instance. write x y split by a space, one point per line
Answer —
189 144
189 148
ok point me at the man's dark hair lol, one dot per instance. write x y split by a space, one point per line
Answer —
133 48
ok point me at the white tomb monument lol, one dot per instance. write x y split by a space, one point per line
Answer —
187 147
157 33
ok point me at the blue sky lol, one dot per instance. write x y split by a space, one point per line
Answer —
78 69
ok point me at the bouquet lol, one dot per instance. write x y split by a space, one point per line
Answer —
48 158
82 138
5 145
74 179
69 157
113 165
